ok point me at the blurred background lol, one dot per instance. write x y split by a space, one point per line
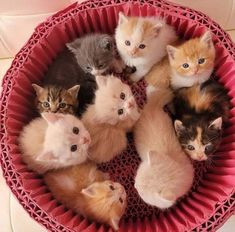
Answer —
18 18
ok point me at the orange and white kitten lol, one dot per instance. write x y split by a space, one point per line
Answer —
192 62
165 173
142 41
87 191
54 141
112 115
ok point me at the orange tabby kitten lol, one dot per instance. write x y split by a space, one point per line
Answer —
87 191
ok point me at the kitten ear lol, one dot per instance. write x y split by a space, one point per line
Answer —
101 80
89 191
157 28
74 91
216 124
122 18
207 39
106 43
178 126
46 156
52 117
73 46
38 89
171 51
114 223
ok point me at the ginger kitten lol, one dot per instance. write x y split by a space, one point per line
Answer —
201 113
112 115
165 173
56 99
87 191
142 41
192 62
54 141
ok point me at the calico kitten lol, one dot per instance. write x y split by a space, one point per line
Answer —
201 113
112 115
165 173
97 54
192 62
142 41
54 141
87 191
56 99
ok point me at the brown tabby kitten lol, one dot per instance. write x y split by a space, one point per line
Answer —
56 99
201 112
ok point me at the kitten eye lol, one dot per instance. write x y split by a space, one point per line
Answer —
185 65
88 68
209 148
111 187
75 130
46 104
128 43
190 147
62 105
73 148
120 199
120 111
142 46
201 60
101 66
122 95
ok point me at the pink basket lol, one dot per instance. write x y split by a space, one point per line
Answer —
211 200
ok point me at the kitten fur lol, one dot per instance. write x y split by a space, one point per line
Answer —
165 173
54 141
87 191
198 54
147 38
201 113
56 99
112 115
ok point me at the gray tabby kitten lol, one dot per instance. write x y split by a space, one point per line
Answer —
97 54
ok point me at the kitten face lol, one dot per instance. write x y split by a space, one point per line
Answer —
56 99
66 139
114 101
94 53
199 140
193 58
136 36
110 194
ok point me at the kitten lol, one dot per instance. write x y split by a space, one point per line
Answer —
56 99
87 191
192 62
165 173
112 115
97 54
142 41
201 113
54 141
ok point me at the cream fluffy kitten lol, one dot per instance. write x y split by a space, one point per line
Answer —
112 115
165 173
192 62
87 191
54 141
142 41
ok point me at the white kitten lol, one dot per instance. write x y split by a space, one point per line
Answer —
165 173
142 41
54 141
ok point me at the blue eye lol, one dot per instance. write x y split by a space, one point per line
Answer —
185 65
201 60
142 46
128 43
190 147
46 104
120 111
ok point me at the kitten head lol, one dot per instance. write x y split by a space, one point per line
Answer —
195 57
94 53
114 101
56 99
198 138
66 139
107 201
141 36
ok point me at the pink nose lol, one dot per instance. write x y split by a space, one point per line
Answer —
85 140
201 157
130 104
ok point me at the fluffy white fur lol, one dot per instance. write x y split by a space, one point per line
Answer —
156 37
107 128
165 173
46 142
